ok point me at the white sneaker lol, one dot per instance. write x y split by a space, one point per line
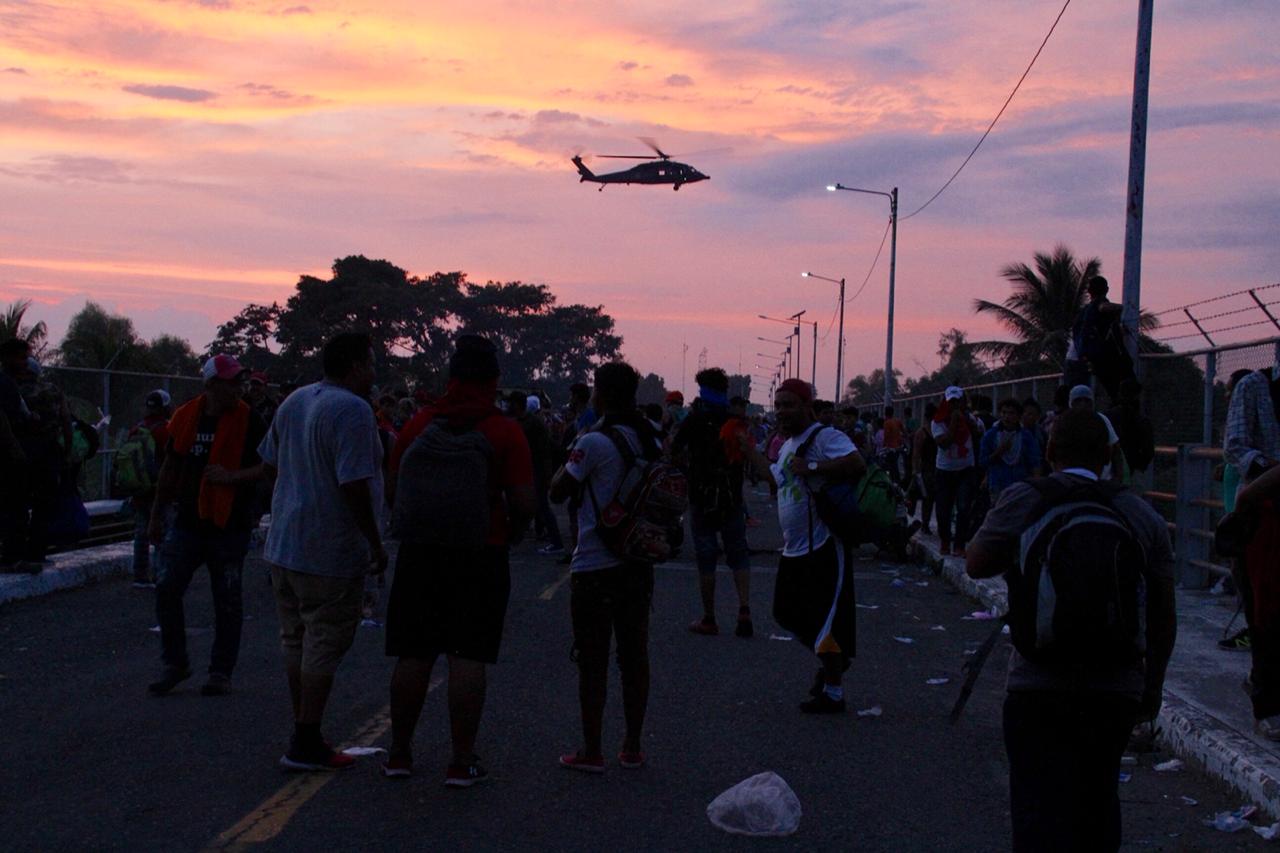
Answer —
550 550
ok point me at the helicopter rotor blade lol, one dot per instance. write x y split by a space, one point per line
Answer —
628 156
647 140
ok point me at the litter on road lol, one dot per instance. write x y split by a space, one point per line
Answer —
936 681
780 637
867 606
873 711
762 805
1169 766
905 640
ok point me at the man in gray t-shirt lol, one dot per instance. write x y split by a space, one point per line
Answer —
325 533
1065 730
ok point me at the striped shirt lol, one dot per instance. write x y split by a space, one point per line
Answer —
1253 433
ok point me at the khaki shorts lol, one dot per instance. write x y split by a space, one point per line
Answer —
318 617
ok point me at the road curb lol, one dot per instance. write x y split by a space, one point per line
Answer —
69 570
1187 730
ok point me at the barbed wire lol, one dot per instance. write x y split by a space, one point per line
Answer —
1218 316
1216 299
1215 331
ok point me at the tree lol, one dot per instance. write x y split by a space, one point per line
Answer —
413 322
1042 309
12 326
870 388
739 386
173 355
98 339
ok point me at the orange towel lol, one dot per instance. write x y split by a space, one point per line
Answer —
214 503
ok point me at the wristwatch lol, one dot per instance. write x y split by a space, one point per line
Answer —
813 466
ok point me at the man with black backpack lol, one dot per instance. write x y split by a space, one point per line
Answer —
461 479
715 496
1092 620
611 581
813 596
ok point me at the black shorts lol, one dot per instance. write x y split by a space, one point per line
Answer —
813 599
445 601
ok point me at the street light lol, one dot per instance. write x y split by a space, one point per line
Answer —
786 357
840 340
893 262
795 318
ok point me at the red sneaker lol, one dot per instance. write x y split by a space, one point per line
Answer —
578 761
631 760
705 628
397 767
464 775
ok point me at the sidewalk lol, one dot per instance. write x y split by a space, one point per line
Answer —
70 569
1206 715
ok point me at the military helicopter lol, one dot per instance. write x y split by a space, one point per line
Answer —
663 171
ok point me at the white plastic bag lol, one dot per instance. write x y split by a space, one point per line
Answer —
761 805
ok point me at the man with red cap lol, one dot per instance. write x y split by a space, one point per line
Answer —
204 497
813 596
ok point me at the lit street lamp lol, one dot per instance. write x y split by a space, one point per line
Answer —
795 318
893 262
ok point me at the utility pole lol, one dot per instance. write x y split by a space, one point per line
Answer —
796 317
893 263
1137 180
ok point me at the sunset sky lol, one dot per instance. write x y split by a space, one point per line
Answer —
177 160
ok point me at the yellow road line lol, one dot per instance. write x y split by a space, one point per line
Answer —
552 588
270 819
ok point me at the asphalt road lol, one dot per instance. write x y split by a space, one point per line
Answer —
93 762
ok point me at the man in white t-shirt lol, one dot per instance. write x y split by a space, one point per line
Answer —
957 434
813 596
608 596
1082 398
325 535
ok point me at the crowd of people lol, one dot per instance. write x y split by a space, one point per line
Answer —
456 480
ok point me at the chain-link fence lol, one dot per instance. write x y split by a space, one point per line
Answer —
116 400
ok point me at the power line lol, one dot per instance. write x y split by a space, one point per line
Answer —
874 261
987 132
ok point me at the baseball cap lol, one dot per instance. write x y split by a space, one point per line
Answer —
157 399
673 397
953 392
258 376
1080 392
222 367
532 403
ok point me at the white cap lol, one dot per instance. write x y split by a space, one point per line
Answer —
532 404
954 392
1080 392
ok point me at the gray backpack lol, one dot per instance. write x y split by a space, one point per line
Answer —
442 492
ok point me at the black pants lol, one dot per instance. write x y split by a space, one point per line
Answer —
28 494
184 550
1259 583
955 493
1064 762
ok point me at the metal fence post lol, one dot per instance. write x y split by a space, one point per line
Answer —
105 445
1193 483
1210 374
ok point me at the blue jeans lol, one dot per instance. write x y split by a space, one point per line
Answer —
732 532
184 550
955 493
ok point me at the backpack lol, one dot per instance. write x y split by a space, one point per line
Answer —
711 488
136 466
1076 596
854 510
644 522
442 492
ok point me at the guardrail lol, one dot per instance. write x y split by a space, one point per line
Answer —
1195 513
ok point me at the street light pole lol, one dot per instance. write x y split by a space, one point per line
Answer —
893 263
1137 181
813 376
840 332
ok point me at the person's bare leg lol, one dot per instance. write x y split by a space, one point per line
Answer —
466 703
833 666
707 588
409 683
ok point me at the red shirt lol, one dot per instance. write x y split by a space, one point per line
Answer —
512 463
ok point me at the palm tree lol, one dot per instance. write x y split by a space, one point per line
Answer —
11 326
1042 309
